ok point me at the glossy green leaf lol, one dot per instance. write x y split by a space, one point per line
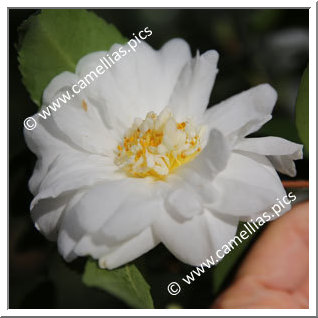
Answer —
55 39
126 283
302 110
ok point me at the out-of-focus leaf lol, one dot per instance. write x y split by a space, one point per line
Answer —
302 110
265 19
222 271
126 283
280 127
54 40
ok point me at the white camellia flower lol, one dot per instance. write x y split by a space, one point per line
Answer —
137 159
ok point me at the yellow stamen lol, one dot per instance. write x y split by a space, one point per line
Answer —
157 146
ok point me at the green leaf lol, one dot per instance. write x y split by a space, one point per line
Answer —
54 40
126 283
224 270
280 127
302 110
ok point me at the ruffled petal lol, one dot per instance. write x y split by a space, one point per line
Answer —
97 206
192 187
247 186
78 120
183 202
57 86
93 244
47 148
47 215
222 228
115 210
212 159
65 244
192 92
72 171
129 250
137 83
279 151
244 111
193 241
135 213
66 240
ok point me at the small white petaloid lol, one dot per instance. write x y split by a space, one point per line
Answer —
137 159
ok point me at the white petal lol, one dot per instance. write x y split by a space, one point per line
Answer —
273 146
47 215
93 245
190 192
212 159
222 228
78 119
97 206
192 187
90 215
59 84
194 241
253 106
284 164
135 213
66 244
72 171
129 250
46 147
247 186
184 202
280 152
139 82
192 92
69 233
66 240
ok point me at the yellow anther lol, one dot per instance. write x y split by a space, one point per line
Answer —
181 125
84 105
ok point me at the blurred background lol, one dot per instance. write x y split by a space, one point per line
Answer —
255 46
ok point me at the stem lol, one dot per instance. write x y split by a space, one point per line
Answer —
295 184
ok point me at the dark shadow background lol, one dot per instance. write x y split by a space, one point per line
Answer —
255 46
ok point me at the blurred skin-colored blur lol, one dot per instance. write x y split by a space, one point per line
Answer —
275 273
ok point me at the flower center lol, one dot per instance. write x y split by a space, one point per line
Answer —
158 145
